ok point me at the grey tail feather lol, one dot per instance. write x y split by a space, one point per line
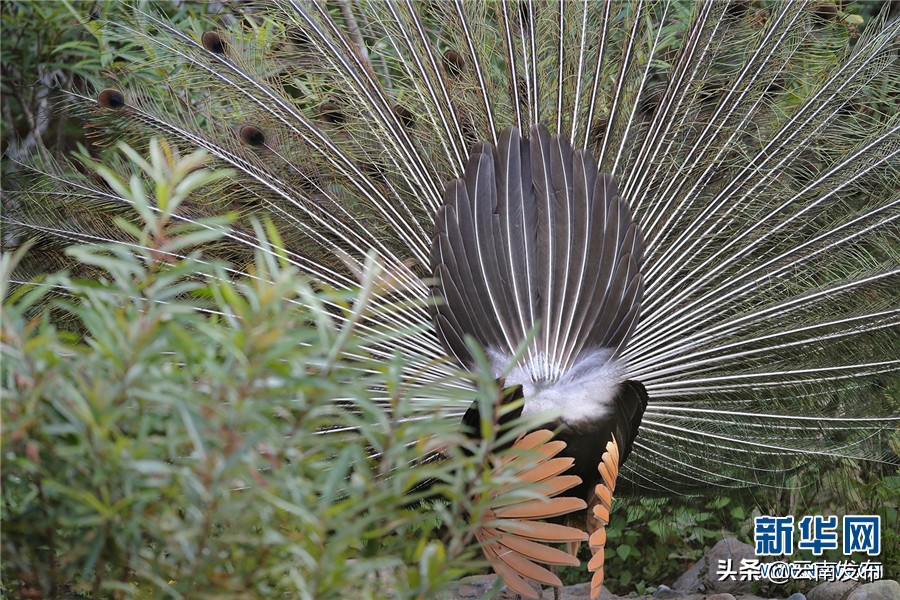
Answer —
534 238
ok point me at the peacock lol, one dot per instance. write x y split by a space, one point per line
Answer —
671 227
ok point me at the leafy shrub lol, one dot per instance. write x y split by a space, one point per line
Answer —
172 444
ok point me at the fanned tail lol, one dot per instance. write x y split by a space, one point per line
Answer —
756 148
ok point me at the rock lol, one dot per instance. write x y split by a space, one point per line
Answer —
832 590
470 588
582 591
479 586
704 577
664 592
886 589
469 591
579 591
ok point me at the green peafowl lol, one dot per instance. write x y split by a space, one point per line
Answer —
672 227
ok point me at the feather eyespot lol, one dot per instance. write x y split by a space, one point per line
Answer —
252 136
331 113
826 11
454 62
405 116
111 98
214 42
298 37
738 8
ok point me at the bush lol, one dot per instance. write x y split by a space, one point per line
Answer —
172 443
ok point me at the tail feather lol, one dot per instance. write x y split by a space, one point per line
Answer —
480 244
518 215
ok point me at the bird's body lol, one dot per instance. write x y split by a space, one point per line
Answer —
583 438
674 226
533 241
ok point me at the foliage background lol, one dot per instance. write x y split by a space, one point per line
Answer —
88 471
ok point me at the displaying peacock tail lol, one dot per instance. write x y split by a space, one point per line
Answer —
675 224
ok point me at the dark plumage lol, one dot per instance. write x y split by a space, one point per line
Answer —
532 240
